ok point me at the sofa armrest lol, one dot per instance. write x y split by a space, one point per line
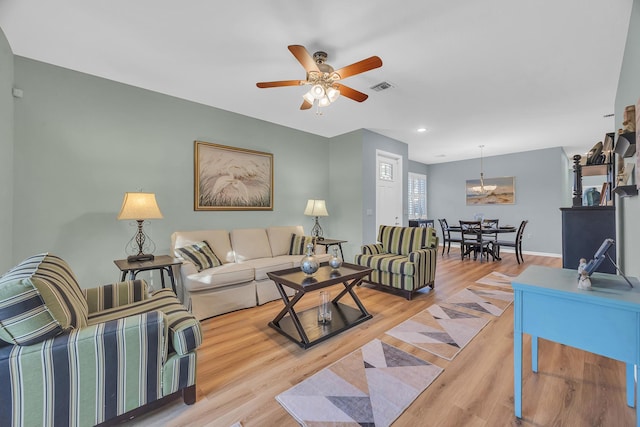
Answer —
187 268
373 249
115 295
183 329
425 263
434 243
87 376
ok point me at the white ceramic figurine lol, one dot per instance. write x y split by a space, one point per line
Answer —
583 277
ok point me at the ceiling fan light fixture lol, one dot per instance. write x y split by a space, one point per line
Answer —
333 94
324 102
308 97
317 91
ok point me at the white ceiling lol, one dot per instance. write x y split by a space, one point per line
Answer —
511 75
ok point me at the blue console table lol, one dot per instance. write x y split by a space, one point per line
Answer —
604 320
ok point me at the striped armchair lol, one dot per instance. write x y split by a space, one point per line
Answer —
80 357
404 261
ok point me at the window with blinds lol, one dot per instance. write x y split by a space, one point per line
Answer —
417 196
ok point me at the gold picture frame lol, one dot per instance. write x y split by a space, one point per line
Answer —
231 179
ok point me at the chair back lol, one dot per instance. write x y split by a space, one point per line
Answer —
520 232
404 240
470 230
491 224
444 227
470 227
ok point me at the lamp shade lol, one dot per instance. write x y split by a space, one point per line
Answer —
139 206
316 208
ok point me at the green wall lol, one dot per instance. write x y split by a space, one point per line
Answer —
345 171
6 154
628 94
81 142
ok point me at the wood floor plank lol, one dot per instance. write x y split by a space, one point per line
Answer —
243 364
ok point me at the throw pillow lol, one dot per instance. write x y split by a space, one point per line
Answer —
25 319
200 254
41 283
299 244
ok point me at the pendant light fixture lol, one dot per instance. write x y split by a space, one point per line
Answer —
482 189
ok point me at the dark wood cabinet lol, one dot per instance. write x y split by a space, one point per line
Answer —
583 231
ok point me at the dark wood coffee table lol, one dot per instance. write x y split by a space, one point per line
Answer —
303 327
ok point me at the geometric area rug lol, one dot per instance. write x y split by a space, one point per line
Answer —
371 386
495 278
444 329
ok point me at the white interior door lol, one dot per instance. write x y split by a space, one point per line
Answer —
388 189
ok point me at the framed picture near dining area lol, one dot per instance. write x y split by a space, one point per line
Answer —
494 191
229 178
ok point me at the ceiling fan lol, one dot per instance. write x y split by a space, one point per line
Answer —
323 79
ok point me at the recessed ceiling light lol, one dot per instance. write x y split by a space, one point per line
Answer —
422 129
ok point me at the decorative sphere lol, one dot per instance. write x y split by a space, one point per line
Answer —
309 265
335 262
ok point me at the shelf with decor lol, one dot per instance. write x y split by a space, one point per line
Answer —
625 148
599 162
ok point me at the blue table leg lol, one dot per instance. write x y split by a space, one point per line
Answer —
534 354
517 355
631 384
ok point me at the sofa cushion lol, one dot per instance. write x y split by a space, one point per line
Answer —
396 264
218 241
25 318
250 243
262 266
280 238
217 277
402 240
58 286
185 333
200 254
298 245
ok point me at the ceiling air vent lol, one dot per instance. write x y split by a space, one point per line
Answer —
381 86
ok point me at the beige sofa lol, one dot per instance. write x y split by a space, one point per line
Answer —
247 255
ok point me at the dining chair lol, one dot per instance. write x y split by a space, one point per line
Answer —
473 240
446 235
488 225
516 243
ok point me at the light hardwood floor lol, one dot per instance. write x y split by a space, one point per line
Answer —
243 364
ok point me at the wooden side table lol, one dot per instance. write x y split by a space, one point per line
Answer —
331 242
162 263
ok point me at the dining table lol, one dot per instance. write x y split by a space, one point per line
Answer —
495 251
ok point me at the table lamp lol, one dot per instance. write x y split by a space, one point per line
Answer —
316 208
140 207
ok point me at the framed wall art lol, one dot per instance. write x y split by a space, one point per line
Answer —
496 191
229 178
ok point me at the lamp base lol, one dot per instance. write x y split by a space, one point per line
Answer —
141 257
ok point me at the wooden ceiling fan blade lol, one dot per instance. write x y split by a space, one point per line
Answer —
303 57
281 83
359 67
351 93
306 105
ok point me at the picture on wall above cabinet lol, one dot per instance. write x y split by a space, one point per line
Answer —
229 178
492 191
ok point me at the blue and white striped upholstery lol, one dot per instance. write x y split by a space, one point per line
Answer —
133 349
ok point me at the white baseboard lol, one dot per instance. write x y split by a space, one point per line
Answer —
513 251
